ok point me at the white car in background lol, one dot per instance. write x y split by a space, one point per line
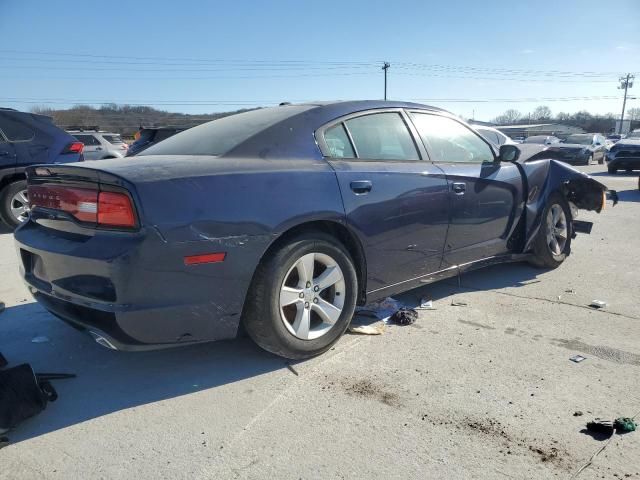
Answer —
99 145
493 136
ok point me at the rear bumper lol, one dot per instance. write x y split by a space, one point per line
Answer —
134 290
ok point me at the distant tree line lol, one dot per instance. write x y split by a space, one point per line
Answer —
583 119
124 119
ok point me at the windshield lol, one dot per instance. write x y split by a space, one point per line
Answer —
579 139
220 136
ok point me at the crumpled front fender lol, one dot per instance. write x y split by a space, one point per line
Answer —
544 177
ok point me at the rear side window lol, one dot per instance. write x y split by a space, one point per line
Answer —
16 130
87 139
163 135
451 141
220 136
113 139
382 136
338 142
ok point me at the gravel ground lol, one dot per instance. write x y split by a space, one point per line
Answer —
484 390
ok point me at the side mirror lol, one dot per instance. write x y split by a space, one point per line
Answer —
509 153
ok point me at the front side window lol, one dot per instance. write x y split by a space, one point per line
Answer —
451 141
490 136
338 142
382 136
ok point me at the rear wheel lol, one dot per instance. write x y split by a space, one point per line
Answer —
302 297
612 170
553 242
14 203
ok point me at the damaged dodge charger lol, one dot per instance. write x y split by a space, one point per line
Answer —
283 219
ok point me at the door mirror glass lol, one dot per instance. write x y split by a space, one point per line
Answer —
509 153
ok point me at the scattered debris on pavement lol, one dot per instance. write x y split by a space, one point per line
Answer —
597 304
607 427
404 316
375 329
601 426
577 413
458 303
625 425
382 309
570 290
40 339
578 358
426 305
23 394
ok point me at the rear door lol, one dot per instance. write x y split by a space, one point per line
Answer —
7 154
394 198
92 147
17 146
485 196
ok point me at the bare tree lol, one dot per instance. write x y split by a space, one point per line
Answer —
633 113
508 117
541 113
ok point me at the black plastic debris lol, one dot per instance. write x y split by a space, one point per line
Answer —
22 396
601 426
404 316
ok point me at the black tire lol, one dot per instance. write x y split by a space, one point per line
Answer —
6 195
543 257
601 161
612 170
589 160
261 316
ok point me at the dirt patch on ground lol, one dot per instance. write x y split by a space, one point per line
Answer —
368 389
510 444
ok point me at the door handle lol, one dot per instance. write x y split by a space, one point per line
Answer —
98 148
459 188
360 187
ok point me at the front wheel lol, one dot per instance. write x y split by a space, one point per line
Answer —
302 297
553 243
14 204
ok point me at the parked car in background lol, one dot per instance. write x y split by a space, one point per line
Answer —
493 136
284 219
581 149
624 155
542 139
150 136
28 139
519 139
99 145
634 135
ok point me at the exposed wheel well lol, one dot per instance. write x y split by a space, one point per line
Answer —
337 230
14 177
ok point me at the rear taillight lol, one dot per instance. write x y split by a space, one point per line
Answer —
109 209
115 210
74 147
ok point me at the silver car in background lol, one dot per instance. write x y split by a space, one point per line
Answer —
99 145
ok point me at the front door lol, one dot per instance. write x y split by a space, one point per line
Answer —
485 196
395 201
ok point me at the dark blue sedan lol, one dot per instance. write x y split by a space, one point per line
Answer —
284 219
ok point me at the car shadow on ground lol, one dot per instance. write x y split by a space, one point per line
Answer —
632 195
109 381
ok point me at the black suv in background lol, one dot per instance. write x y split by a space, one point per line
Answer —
28 139
150 136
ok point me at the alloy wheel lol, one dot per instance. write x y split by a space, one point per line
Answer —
312 296
556 229
19 206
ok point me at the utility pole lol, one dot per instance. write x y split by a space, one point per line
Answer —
385 67
626 83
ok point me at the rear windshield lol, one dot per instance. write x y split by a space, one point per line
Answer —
113 139
579 139
220 136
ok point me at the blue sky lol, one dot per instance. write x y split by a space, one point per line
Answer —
181 55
